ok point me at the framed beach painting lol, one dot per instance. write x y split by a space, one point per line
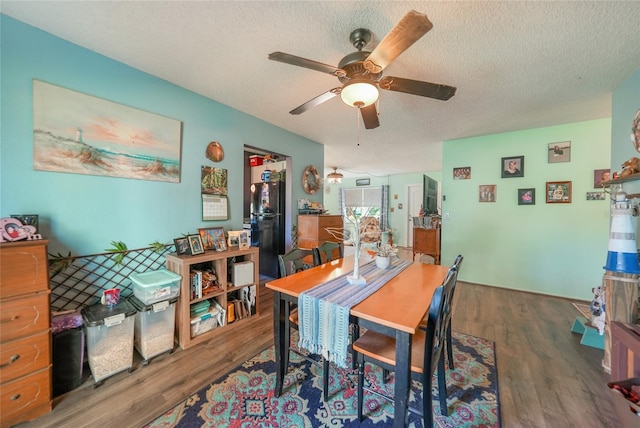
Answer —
82 134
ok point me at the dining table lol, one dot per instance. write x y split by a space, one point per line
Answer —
396 310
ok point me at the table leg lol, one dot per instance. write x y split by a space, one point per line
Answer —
278 340
403 378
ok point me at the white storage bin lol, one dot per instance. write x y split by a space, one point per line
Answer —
109 338
214 318
154 286
154 327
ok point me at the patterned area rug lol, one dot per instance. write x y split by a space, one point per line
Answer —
244 397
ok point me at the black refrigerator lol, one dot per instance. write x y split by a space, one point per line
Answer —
267 224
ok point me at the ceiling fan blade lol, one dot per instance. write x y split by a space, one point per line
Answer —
316 101
370 116
407 31
306 63
417 87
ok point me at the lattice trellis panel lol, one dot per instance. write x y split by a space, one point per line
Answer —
83 281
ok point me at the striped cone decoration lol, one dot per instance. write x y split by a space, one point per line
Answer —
623 254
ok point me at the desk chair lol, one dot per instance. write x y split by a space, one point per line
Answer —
289 264
324 253
426 354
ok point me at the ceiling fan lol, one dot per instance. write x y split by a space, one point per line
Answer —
361 71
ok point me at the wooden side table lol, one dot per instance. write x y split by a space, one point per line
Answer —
427 241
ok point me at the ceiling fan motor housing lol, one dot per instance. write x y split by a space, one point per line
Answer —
353 66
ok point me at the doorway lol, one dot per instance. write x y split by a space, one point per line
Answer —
266 208
415 194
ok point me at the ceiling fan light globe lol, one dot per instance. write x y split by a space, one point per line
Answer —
359 94
334 177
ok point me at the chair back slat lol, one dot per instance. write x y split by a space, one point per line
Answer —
324 253
293 261
436 329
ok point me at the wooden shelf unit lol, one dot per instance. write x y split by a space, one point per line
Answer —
25 336
219 261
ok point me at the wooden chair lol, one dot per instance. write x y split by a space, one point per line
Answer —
288 264
426 353
325 253
456 267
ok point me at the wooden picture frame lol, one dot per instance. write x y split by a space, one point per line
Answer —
512 166
527 196
182 246
195 244
233 238
558 192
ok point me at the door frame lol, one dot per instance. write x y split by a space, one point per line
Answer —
410 209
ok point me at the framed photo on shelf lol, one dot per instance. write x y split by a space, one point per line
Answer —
238 238
234 238
487 193
527 196
600 176
558 192
208 237
219 240
195 244
182 246
512 167
559 152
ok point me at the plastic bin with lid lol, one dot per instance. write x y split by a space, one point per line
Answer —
214 318
156 285
109 338
154 327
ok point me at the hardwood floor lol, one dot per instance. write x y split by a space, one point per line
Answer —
546 377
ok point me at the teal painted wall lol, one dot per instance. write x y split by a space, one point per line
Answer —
625 104
83 213
397 186
555 249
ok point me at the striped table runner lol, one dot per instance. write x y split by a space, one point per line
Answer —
323 310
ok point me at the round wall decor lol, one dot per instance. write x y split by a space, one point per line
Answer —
310 180
214 152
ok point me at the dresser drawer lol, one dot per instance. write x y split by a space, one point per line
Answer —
24 394
24 316
24 356
331 221
23 268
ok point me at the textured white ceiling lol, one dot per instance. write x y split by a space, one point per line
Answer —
516 64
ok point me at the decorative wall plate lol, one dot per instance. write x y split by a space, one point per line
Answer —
310 180
215 152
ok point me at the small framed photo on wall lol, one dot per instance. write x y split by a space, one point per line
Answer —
487 193
527 196
559 152
512 166
463 173
558 192
596 196
600 176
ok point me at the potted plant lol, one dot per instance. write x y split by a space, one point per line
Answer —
383 253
